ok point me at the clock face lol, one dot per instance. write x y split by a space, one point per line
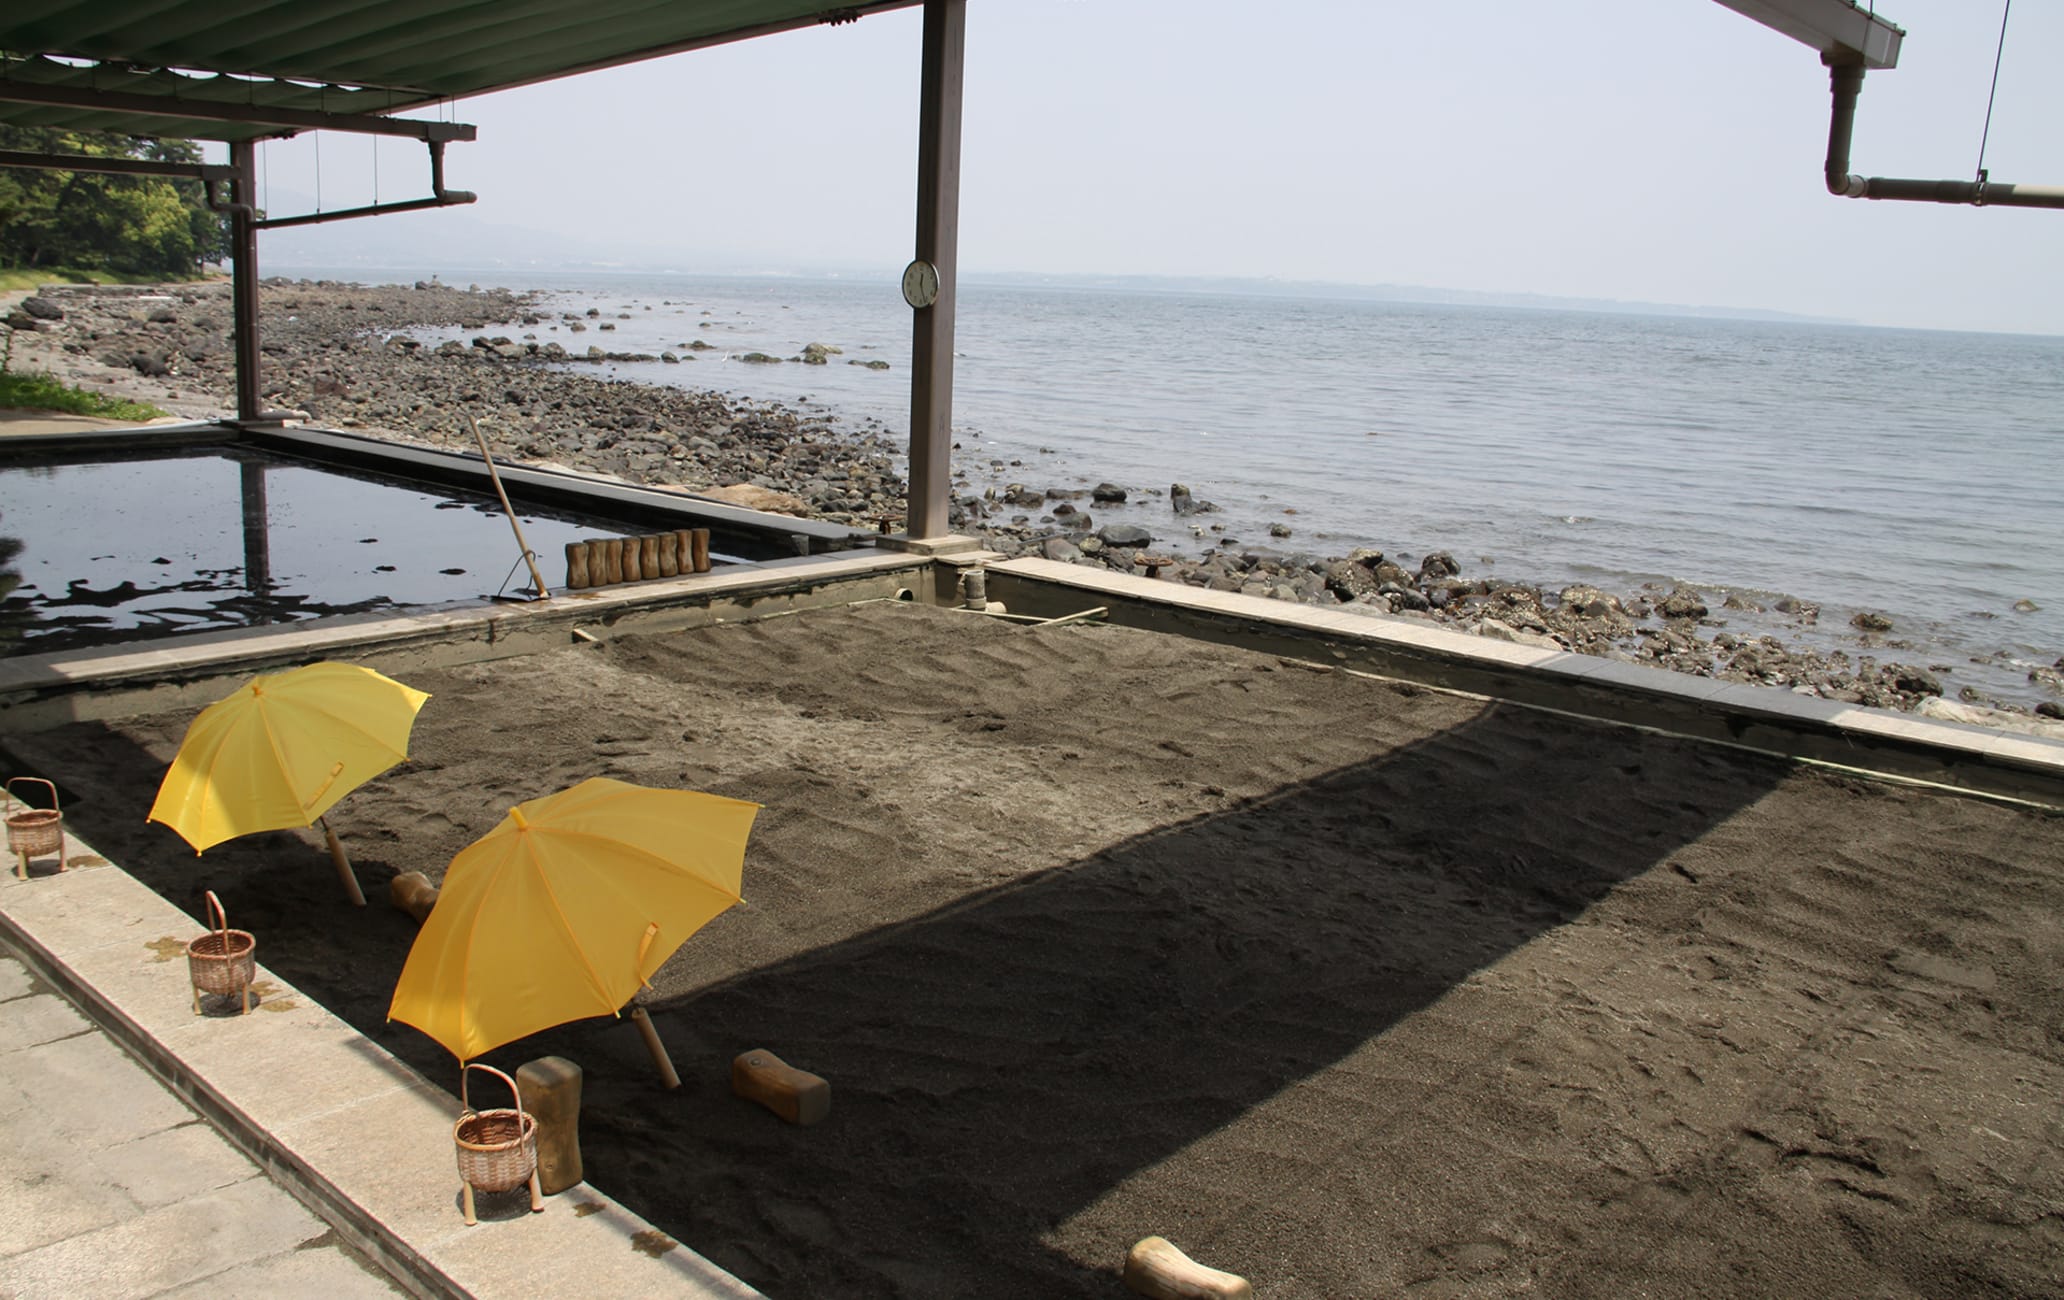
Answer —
920 284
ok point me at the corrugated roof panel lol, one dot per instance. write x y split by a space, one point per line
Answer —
413 51
440 47
174 90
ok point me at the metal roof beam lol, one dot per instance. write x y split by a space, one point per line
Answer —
65 162
1841 31
289 119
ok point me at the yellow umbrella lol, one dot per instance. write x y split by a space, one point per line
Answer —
281 749
566 908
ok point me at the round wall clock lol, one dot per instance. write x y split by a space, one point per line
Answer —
920 284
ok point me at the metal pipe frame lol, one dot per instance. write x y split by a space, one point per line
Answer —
1845 82
440 197
938 242
291 120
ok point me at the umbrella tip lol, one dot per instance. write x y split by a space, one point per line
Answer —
516 815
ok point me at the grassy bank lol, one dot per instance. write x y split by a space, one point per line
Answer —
35 391
13 279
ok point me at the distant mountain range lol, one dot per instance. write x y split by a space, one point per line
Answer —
457 246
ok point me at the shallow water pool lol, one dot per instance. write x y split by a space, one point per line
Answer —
94 551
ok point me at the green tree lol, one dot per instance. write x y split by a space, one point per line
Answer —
129 225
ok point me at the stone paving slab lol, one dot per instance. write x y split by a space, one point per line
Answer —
113 1187
356 1135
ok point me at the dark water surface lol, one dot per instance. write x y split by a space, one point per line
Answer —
211 538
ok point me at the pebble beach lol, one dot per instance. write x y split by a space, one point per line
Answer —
361 357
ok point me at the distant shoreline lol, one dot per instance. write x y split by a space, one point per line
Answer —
329 352
1214 286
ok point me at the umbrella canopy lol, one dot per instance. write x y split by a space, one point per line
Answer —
282 748
565 909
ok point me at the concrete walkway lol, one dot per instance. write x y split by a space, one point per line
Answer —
110 1187
114 1187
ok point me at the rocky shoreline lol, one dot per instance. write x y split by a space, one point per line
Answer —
346 356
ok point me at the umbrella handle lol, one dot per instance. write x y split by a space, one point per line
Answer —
220 924
665 1063
342 861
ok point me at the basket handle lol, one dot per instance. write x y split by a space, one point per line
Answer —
476 1065
48 785
221 924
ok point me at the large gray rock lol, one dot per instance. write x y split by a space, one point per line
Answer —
1682 603
1439 564
1107 492
1589 602
42 308
1350 580
1498 631
1915 681
1124 535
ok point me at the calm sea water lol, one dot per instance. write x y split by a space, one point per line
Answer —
1909 472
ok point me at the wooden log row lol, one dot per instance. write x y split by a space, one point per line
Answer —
606 561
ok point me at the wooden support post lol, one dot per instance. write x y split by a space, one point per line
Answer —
698 548
598 562
938 243
243 276
612 553
343 863
633 561
648 556
551 1087
660 1058
576 566
669 555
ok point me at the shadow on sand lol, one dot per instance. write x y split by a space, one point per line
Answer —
1003 1063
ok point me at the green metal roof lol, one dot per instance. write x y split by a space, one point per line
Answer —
357 56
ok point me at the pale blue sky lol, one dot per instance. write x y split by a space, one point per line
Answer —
1653 150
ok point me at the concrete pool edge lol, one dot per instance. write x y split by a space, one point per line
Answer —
1770 719
355 1134
39 691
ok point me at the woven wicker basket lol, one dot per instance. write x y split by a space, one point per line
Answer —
33 832
497 1148
223 961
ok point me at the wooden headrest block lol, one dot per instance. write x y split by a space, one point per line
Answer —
796 1095
1155 1268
